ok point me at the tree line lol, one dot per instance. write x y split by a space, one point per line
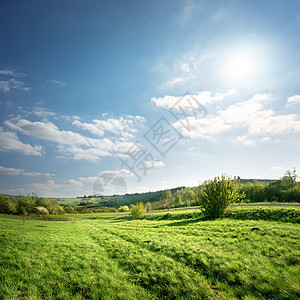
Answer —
285 189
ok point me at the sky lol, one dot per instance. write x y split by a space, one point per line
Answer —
112 97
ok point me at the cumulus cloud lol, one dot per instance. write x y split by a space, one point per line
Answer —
202 98
259 121
294 99
205 128
73 143
9 141
124 126
46 131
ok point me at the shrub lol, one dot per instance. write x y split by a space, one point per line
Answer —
137 211
41 210
216 195
123 208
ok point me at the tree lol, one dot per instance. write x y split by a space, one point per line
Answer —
216 195
289 180
165 199
188 196
148 206
137 211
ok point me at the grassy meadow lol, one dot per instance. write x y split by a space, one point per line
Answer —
178 255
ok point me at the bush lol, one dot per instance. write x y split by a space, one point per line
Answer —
137 211
216 195
123 208
41 211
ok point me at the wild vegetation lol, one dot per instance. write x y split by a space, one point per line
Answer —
29 205
286 189
177 255
216 195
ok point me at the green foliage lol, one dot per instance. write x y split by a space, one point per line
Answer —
216 195
123 208
7 205
28 205
269 214
148 206
286 189
137 211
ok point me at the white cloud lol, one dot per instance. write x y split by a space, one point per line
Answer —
154 163
91 179
58 82
43 112
69 142
202 98
205 128
124 126
294 99
12 84
13 171
191 149
46 131
9 81
10 171
121 173
92 128
259 121
9 141
8 72
185 67
245 111
174 81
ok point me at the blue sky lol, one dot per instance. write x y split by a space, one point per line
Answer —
146 95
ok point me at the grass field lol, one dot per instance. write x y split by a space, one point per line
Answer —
113 257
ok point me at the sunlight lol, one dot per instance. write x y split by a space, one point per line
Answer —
240 66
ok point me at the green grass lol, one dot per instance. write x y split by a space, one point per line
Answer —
178 257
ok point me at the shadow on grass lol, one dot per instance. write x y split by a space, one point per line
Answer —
188 222
39 218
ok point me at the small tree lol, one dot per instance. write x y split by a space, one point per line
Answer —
216 195
148 206
123 208
137 211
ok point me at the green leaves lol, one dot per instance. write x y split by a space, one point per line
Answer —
216 195
137 211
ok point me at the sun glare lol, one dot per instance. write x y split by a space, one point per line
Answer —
241 66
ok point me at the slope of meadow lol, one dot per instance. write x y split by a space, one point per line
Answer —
113 257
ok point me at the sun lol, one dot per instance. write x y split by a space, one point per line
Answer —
240 66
